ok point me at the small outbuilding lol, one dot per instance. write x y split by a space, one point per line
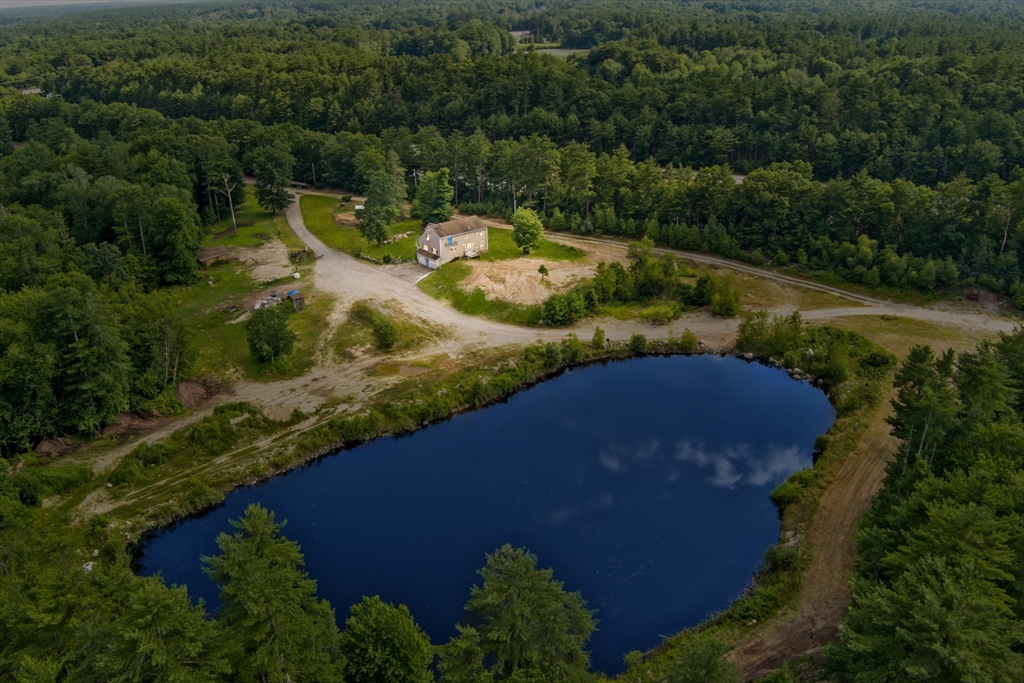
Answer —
298 301
463 237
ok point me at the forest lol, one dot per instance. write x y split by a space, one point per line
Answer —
874 142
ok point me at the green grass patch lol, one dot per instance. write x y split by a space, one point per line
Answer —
500 247
444 284
213 308
357 334
222 346
404 248
318 213
256 226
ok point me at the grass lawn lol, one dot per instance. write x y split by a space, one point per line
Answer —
318 214
500 247
444 284
356 335
256 226
404 248
222 347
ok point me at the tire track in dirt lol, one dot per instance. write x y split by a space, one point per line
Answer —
831 536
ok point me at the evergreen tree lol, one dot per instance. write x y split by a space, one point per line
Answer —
272 167
528 620
279 630
381 207
160 637
434 197
381 642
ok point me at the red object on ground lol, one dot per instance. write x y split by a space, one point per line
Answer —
972 297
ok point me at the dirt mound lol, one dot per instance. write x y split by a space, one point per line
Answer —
130 424
519 282
195 392
51 448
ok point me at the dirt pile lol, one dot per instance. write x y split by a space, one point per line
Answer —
51 448
520 282
193 393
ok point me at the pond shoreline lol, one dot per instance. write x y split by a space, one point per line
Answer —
657 386
146 528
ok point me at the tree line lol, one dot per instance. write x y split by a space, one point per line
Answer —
861 229
937 594
71 616
922 93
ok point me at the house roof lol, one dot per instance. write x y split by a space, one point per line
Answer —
457 226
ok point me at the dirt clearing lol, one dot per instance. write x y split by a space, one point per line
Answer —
266 263
520 282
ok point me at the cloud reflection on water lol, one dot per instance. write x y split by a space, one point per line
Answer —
737 465
741 464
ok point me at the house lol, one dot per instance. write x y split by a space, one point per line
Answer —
298 301
463 237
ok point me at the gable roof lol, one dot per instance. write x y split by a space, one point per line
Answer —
457 226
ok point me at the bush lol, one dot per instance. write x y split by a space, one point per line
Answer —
552 354
661 314
791 490
638 343
573 350
687 341
560 310
725 303
268 334
385 334
598 341
780 558
57 480
30 490
198 495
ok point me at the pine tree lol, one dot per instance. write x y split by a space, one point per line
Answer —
434 197
280 631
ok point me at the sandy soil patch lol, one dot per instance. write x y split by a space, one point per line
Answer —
519 282
266 263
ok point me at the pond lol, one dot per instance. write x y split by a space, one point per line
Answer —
643 483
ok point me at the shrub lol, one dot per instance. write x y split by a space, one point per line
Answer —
63 479
791 490
385 334
573 350
598 341
687 341
725 303
268 334
198 494
661 314
552 354
780 558
638 343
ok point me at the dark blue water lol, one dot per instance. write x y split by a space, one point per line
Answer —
643 483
